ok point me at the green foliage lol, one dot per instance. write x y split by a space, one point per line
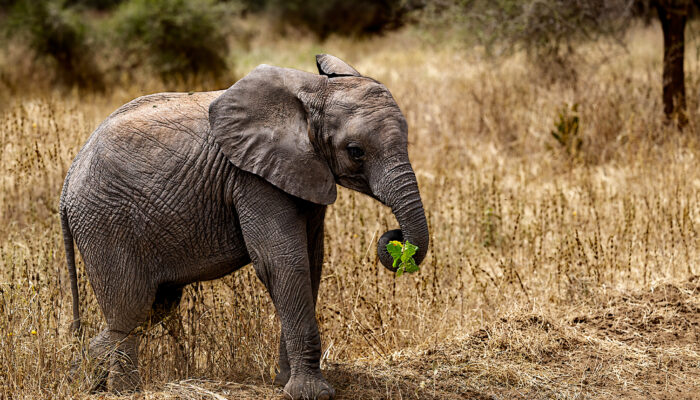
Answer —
403 253
566 130
351 18
57 36
175 38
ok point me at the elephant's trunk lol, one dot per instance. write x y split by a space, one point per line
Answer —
399 190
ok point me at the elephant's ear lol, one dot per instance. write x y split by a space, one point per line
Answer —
262 127
333 67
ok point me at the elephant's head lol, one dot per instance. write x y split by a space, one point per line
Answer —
304 133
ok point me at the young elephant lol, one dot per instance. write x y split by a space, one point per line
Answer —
175 188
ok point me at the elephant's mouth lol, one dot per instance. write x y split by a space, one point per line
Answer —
356 182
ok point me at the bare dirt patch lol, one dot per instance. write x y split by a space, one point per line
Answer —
639 345
666 315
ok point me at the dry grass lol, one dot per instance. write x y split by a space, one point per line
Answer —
538 283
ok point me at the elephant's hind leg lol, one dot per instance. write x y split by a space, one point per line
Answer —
115 349
117 346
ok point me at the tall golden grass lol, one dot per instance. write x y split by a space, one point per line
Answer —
518 223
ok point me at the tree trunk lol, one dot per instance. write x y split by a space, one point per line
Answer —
673 16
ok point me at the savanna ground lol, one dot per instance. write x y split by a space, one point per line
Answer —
555 271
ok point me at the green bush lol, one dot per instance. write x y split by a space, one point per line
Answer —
57 37
325 17
175 38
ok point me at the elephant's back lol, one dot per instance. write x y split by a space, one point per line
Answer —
162 117
159 103
146 138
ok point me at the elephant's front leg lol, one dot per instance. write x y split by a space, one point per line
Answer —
314 234
275 230
287 278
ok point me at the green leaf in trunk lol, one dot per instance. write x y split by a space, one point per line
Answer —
403 253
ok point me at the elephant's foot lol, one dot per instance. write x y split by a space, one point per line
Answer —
282 377
113 360
308 387
124 375
121 382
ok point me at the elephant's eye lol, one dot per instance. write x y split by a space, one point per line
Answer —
355 152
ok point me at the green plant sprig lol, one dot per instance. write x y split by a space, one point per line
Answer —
402 253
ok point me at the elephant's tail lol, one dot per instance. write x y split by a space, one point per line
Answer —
70 259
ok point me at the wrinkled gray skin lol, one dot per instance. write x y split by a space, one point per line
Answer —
176 188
